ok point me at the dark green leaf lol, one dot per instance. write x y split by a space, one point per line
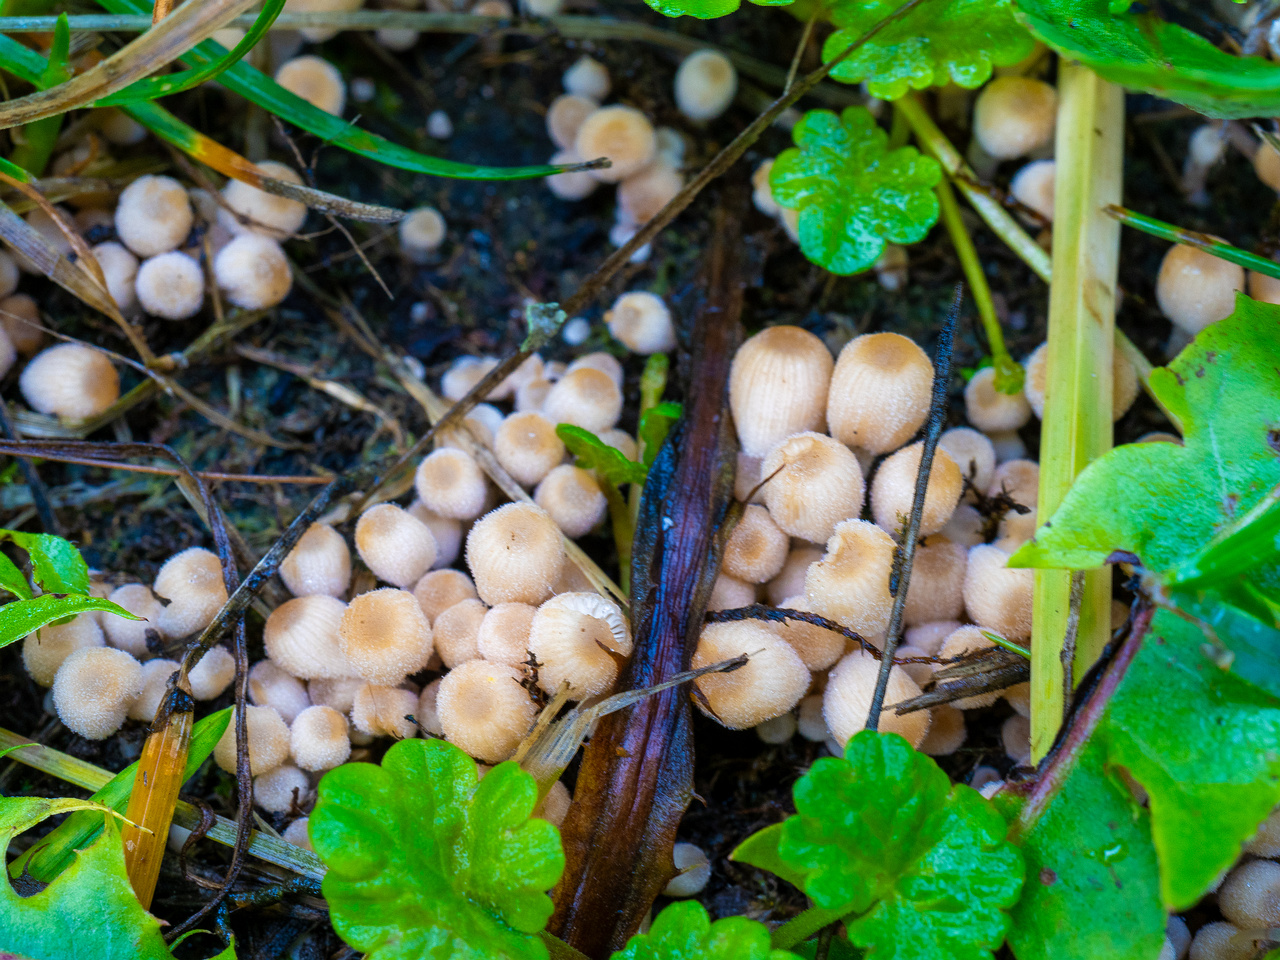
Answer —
13 580
21 617
655 424
592 453
1141 51
838 949
939 42
422 862
852 193
56 564
683 931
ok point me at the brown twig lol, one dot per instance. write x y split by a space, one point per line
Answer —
13 448
39 492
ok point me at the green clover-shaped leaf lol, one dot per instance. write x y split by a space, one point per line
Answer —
920 867
424 863
939 42
853 195
683 931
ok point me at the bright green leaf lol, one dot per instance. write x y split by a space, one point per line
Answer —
706 9
683 931
13 580
1143 52
761 851
56 564
655 424
592 453
853 194
422 862
89 912
22 617
57 71
939 42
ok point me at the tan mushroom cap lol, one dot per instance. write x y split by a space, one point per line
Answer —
1195 288
527 447
893 490
968 639
851 583
267 213
947 732
319 563
301 636
153 215
996 596
622 134
270 686
70 380
457 632
277 790
319 739
439 590
812 483
316 81
213 674
268 737
504 633
381 711
847 700
450 483
155 683
170 286
579 639
705 84
639 319
818 647
585 397
394 544
484 710
573 499
192 583
516 554
252 272
972 452
565 116
1014 116
385 636
93 690
880 391
778 386
131 635
729 593
936 589
1124 381
771 683
789 581
756 549
989 409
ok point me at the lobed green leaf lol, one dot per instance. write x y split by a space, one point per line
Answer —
592 453
684 931
706 9
56 564
22 617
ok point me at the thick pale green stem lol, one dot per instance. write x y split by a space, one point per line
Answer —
802 927
1077 416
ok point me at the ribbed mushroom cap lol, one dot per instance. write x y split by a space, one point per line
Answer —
936 589
170 285
192 583
813 483
1195 289
880 391
450 483
972 452
213 674
131 635
319 739
269 686
465 373
622 134
301 636
339 694
990 410
484 710
565 116
516 554
573 499
120 270
385 636
1124 382
771 682
316 81
439 590
641 320
268 738
268 214
394 544
504 633
778 386
606 363
155 682
947 732
446 530
276 791
93 689
586 398
457 631
705 85
253 272
153 215
729 593
847 700
44 651
381 711
789 581
893 490
319 563
527 447
997 597
818 647
757 549
579 639
968 639
851 583
1014 116
70 380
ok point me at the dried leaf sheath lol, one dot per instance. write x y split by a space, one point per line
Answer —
637 772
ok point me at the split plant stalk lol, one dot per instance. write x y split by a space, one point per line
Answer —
1077 414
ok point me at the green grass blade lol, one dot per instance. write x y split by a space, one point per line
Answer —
1193 238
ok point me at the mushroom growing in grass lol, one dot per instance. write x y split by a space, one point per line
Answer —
643 195
573 499
812 483
893 490
269 214
997 596
339 694
729 593
850 584
623 135
642 322
270 686
516 554
880 391
585 397
527 447
1250 896
705 85
44 651
484 710
93 690
394 544
694 871
1124 382
70 380
989 409
319 563
170 286
579 639
301 635
380 711
450 483
790 579
947 732
756 549
847 700
439 590
192 583
771 682
319 739
268 741
1015 116
385 636
153 215
456 632
1195 288
968 640
421 233
253 272
818 647
778 386
316 81
213 674
572 184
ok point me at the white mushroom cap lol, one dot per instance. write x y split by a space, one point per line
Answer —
1195 289
573 184
936 589
192 583
93 689
585 397
1014 116
990 410
119 269
301 635
396 39
276 791
573 499
776 731
20 320
446 530
421 233
847 700
70 380
44 651
818 647
1019 697
457 630
587 78
880 391
997 597
515 553
968 639
269 686
450 483
1015 735
1008 445
268 737
269 214
296 834
428 716
695 871
153 215
319 739
810 723
947 732
1250 896
756 549
771 682
155 682
504 633
642 322
642 196
579 639
170 286
339 694
527 447
972 452
929 637
253 272
1033 185
394 544
1266 842
790 579
555 805
319 563
705 85
131 635
814 483
762 193
316 81
606 363
778 387
385 636
484 710
622 134
213 674
565 116
463 374
893 490
851 583
728 593
439 590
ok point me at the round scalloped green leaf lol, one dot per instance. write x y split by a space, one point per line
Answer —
706 9
939 42
683 931
853 195
424 862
